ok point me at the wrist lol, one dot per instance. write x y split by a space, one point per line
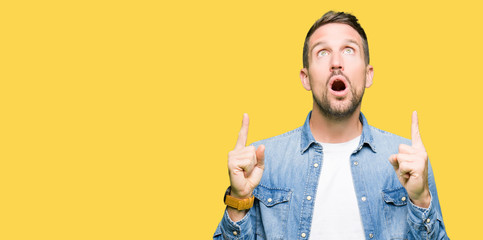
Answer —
423 201
237 203
239 195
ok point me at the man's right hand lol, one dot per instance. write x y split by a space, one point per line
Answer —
245 164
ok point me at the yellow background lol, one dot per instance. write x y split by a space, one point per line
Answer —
116 117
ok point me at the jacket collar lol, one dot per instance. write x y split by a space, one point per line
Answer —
307 139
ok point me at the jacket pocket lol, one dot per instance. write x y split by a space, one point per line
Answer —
274 206
395 212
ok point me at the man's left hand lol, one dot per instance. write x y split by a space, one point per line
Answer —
411 166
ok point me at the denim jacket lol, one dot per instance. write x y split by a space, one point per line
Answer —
293 160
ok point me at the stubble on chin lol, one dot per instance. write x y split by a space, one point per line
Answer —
338 110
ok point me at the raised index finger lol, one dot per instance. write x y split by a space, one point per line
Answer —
415 136
242 136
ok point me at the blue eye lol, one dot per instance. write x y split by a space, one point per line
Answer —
323 53
348 51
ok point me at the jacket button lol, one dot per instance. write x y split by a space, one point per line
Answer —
303 235
269 200
363 199
403 199
370 235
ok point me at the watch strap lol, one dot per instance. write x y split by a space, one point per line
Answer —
237 203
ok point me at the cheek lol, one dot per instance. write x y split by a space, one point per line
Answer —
354 60
318 80
355 68
321 62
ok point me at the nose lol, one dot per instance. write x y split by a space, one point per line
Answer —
336 63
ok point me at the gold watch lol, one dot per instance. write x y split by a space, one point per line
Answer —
239 204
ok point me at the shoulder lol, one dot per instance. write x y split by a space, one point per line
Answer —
387 141
282 139
388 136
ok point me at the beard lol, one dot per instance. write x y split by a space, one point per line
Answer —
338 110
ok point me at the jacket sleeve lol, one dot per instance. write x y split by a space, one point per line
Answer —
427 223
243 229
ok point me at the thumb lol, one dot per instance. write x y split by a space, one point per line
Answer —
394 162
261 156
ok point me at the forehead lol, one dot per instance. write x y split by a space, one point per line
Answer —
335 33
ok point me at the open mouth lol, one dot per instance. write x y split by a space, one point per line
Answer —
338 85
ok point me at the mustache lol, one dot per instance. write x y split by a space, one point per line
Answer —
338 72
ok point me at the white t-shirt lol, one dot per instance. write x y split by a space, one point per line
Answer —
336 213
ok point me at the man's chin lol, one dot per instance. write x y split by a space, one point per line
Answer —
339 110
342 113
341 107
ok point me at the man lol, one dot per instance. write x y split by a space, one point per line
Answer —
336 177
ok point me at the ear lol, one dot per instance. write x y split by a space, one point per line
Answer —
369 75
304 78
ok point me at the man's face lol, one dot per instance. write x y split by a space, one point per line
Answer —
337 73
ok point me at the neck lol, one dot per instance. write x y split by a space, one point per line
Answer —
328 130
